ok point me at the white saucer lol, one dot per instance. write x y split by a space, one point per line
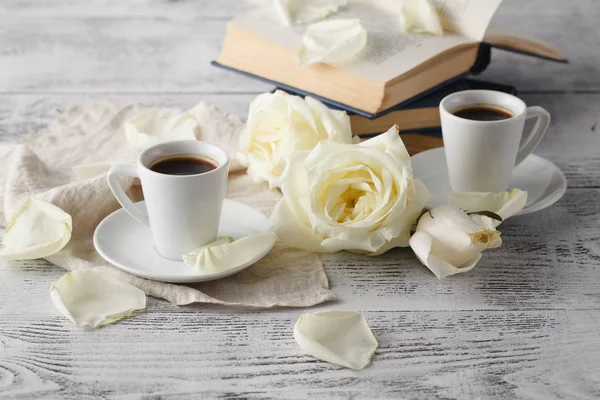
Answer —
128 245
544 182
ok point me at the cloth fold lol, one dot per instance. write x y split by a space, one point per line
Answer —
42 166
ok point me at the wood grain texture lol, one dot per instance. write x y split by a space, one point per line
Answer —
522 324
166 46
190 354
572 142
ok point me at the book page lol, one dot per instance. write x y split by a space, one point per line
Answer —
469 18
389 52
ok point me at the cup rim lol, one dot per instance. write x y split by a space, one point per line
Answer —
141 165
446 112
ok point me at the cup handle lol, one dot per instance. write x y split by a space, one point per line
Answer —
534 137
113 182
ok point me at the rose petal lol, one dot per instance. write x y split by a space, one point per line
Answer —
37 229
297 12
421 244
291 231
279 124
335 124
332 41
417 200
391 143
505 204
91 298
339 337
420 16
154 127
224 254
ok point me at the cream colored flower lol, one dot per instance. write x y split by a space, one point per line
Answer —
505 204
339 337
224 253
278 124
420 16
36 230
154 127
297 12
361 198
448 241
91 298
335 41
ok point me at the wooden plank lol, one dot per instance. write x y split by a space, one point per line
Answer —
95 9
572 141
111 46
523 324
115 56
570 26
548 261
198 354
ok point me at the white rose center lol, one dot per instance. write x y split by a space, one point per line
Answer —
354 193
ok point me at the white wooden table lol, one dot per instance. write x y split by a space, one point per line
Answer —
524 324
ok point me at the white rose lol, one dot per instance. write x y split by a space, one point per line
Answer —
361 198
448 241
278 124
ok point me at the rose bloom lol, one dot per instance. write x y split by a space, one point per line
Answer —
278 124
448 241
360 198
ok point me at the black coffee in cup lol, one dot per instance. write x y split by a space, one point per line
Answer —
183 164
483 112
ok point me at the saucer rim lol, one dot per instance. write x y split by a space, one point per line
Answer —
534 207
193 277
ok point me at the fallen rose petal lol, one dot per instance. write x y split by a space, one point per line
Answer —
297 12
91 298
448 241
37 229
333 42
505 204
420 16
338 337
154 127
224 253
421 243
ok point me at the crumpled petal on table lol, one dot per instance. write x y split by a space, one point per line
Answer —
420 16
37 229
335 41
505 204
153 127
339 337
448 241
298 12
224 253
91 298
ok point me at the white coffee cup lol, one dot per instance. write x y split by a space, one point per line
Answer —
481 155
183 211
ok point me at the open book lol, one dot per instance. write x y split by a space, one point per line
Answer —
392 68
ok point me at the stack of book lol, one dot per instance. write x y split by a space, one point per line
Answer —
398 79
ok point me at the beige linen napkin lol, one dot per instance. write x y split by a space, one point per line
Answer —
42 166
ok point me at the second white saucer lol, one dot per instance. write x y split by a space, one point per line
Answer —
128 245
544 182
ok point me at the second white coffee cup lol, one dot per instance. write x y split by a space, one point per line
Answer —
481 155
183 211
